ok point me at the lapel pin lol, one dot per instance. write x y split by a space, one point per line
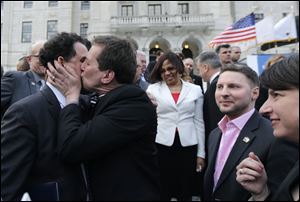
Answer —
246 139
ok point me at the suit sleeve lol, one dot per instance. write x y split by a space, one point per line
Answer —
7 89
199 124
119 125
17 152
282 157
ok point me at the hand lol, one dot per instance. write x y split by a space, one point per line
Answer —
200 164
66 80
251 175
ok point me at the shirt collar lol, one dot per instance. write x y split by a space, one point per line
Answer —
213 76
239 122
60 97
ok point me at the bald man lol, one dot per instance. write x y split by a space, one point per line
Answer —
235 54
16 85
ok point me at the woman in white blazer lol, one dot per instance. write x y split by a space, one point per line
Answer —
180 131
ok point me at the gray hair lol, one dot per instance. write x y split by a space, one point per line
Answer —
139 52
211 58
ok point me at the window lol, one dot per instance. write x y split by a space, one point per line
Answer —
52 3
26 32
127 10
83 29
183 8
85 5
51 28
154 9
28 4
258 17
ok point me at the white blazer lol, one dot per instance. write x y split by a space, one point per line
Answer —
186 115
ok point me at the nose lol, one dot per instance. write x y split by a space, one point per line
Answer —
224 91
266 109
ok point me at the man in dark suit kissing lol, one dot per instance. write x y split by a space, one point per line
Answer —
117 142
29 159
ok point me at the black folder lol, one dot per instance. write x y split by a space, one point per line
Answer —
44 192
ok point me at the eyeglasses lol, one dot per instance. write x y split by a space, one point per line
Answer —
169 69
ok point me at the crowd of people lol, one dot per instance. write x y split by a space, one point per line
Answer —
91 121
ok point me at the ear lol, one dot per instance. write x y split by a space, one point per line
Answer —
255 93
108 77
206 67
61 60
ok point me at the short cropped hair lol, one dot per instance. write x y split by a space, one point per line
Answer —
282 75
62 44
117 55
243 69
211 58
222 46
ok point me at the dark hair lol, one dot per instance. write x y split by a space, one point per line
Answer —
181 56
62 44
222 46
158 53
173 59
282 75
87 44
243 69
210 58
117 55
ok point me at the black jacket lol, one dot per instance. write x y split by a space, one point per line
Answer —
29 156
117 144
260 137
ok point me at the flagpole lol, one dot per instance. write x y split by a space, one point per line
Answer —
254 8
293 14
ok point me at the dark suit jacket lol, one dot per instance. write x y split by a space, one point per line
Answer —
211 112
197 80
117 144
284 192
283 156
29 155
260 134
16 85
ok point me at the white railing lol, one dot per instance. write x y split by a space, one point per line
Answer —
163 20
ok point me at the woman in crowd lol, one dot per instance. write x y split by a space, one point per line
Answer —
180 130
282 107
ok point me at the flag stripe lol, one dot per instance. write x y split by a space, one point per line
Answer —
236 35
231 41
242 30
239 31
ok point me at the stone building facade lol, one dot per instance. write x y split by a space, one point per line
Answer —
180 26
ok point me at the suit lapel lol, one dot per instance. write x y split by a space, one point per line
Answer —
54 106
184 91
165 91
243 141
214 147
31 82
214 141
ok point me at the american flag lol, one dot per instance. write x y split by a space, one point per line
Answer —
242 30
